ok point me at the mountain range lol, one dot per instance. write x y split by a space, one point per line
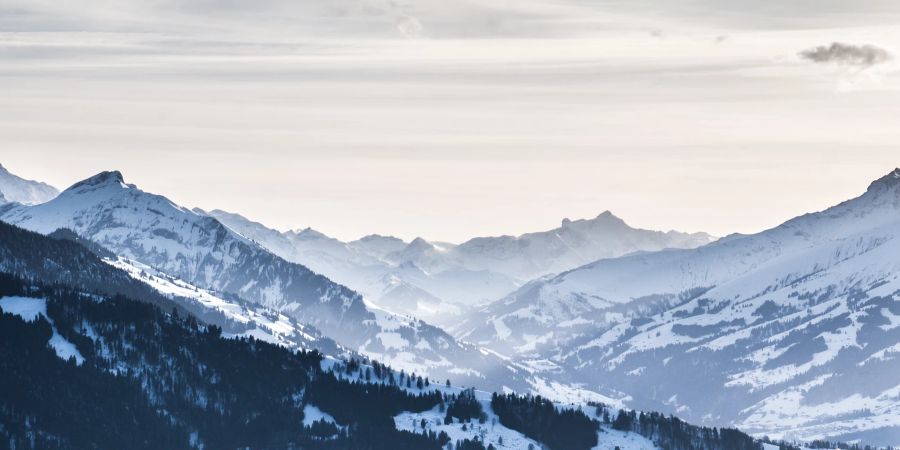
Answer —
166 241
436 281
92 359
791 332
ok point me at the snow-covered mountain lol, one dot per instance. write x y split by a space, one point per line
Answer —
572 244
236 317
436 280
375 267
196 249
28 192
793 331
77 320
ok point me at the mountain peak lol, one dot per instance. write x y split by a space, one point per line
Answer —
607 215
889 181
379 237
105 177
893 177
309 233
607 218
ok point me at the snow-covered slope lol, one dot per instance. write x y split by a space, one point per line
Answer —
791 330
196 248
372 266
17 189
200 251
493 432
30 309
237 318
436 280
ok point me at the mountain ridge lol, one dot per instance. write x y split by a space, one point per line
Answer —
14 188
457 276
776 319
198 249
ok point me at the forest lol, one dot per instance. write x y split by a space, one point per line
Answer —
152 379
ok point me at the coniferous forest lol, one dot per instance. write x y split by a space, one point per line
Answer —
152 380
540 420
670 433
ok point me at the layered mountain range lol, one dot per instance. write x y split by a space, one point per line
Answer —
437 280
791 332
94 358
159 240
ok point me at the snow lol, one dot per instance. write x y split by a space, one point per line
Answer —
501 329
393 341
884 354
492 430
432 280
573 395
817 272
609 439
489 432
792 414
574 322
835 341
270 326
533 341
312 413
386 320
65 349
29 309
16 189
893 319
25 307
808 267
741 265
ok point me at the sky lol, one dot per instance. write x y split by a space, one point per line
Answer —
450 120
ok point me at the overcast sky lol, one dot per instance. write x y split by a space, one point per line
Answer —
449 120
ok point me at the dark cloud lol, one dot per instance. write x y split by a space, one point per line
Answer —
847 54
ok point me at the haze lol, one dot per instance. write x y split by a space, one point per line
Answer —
452 121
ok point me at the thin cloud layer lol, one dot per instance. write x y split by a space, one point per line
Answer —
847 54
505 93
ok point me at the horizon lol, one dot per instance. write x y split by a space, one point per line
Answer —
453 121
858 190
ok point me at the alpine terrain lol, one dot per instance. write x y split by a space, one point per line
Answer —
215 332
16 189
73 325
792 332
437 281
177 249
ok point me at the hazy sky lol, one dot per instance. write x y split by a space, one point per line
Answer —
456 119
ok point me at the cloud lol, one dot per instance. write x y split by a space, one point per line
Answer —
847 54
409 27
